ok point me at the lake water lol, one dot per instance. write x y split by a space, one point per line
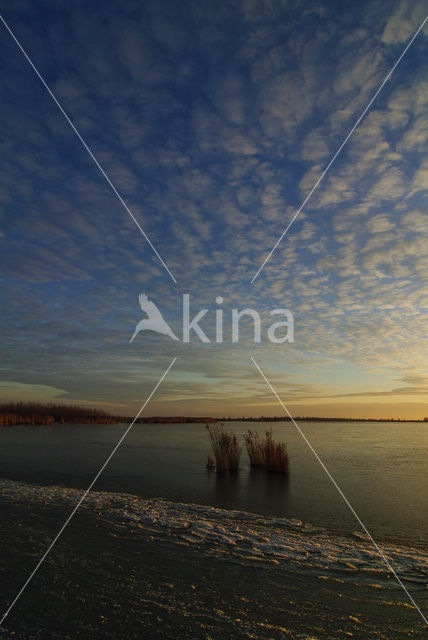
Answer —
382 468
164 548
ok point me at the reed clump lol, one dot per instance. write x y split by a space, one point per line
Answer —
256 449
265 453
276 455
210 462
226 449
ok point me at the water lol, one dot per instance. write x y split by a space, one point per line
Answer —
164 548
382 469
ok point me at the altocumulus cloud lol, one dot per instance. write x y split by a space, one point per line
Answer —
213 122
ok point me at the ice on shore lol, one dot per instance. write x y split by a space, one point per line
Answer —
241 536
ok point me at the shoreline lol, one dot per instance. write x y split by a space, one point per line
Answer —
165 569
13 413
8 420
56 493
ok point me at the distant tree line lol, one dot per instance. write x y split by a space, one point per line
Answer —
33 413
171 420
316 419
36 413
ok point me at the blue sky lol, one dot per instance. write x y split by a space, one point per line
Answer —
214 121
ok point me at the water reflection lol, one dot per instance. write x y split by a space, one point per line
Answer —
269 490
227 488
252 489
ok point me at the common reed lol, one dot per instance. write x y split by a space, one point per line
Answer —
210 462
265 453
226 449
255 448
276 455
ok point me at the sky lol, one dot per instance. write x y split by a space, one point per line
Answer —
213 121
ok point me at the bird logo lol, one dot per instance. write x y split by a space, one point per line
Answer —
154 321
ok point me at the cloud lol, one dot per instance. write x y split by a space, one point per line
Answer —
11 391
415 221
214 126
403 22
314 146
380 223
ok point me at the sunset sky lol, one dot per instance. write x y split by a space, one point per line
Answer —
214 120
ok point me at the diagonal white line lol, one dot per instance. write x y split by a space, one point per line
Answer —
339 150
52 544
361 523
115 191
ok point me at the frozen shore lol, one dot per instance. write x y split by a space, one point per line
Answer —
156 565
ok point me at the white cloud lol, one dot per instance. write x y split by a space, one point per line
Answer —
314 146
403 22
420 178
379 223
415 221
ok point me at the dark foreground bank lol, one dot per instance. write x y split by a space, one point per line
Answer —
133 568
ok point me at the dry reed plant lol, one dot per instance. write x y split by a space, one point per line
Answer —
226 449
265 453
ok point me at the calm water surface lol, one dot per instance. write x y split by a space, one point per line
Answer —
381 467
